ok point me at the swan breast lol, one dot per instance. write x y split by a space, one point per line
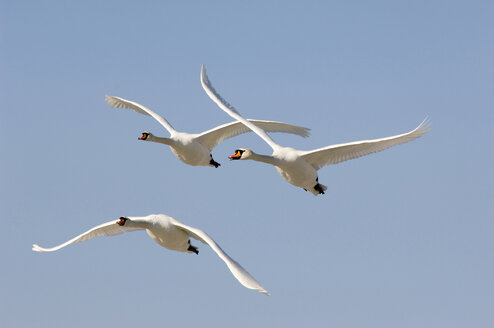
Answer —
189 150
169 236
295 169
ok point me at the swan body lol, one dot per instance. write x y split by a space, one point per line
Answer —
167 232
300 167
195 149
185 147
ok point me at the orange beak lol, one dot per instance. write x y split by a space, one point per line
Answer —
237 155
144 136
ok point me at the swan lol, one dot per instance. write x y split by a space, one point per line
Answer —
299 167
167 232
195 149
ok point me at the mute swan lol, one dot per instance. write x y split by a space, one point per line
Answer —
195 149
299 167
169 233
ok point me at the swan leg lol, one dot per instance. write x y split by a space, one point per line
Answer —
212 162
193 249
319 187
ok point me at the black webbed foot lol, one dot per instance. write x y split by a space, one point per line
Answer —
318 188
193 249
213 162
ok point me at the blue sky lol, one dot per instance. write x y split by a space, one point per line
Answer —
401 238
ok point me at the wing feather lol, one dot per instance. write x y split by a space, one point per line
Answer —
342 152
244 277
230 110
106 229
117 102
214 137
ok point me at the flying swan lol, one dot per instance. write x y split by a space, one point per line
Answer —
195 149
167 232
299 167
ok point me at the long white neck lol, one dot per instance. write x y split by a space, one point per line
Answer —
163 140
263 158
138 222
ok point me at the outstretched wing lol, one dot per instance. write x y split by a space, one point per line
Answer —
230 110
338 153
117 102
106 229
214 137
237 270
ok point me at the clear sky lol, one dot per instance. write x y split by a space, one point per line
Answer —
402 238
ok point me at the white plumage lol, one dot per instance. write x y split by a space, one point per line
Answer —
299 167
195 149
167 232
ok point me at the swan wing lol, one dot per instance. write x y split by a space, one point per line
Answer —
117 102
237 270
106 229
230 110
342 152
214 137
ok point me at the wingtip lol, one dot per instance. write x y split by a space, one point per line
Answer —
260 289
307 132
110 100
303 132
265 292
203 72
36 248
425 125
204 76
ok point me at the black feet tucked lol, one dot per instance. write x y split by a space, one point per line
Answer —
318 188
215 164
193 249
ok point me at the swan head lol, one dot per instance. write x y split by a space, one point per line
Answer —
145 135
122 220
241 153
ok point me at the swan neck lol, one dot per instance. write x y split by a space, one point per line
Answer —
263 158
163 140
138 222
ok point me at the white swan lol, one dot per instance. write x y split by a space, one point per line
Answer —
169 233
195 149
299 167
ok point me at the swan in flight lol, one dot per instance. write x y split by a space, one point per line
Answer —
299 167
195 149
167 232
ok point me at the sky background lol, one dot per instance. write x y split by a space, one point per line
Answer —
402 238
